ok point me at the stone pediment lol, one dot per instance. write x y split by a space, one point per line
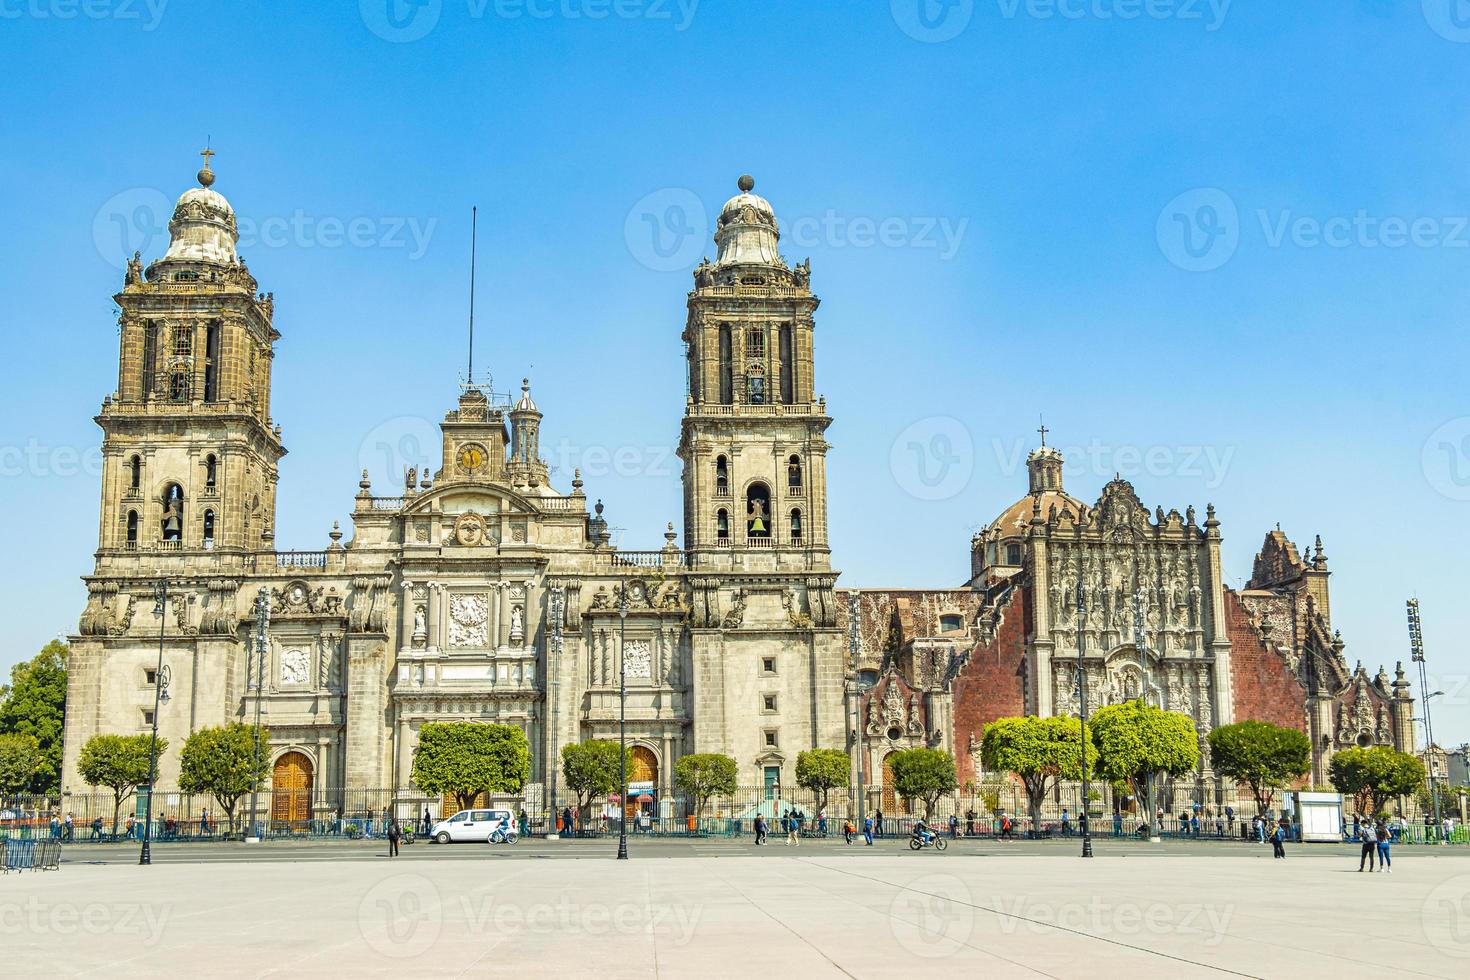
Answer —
485 499
1119 512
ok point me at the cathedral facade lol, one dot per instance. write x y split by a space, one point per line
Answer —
481 592
478 591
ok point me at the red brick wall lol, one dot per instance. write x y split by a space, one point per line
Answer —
1265 688
992 685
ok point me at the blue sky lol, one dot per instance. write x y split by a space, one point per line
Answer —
1223 248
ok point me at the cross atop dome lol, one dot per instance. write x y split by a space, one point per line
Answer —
206 175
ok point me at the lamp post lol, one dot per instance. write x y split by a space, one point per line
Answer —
623 722
160 695
1082 703
854 646
558 600
1416 651
262 625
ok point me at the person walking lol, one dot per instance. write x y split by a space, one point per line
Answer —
1385 841
1357 828
425 824
394 833
68 830
848 830
760 830
1194 825
1369 834
970 822
954 827
1230 820
868 831
1278 841
523 823
878 824
793 830
1007 828
1066 823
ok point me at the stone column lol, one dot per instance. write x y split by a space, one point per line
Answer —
531 612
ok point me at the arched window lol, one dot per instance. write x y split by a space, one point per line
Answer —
135 472
788 368
132 529
1013 554
211 471
173 512
722 524
793 475
727 367
209 529
722 476
796 524
758 511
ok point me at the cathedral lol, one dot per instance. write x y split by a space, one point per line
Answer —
481 592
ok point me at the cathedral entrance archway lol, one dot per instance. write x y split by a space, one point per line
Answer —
892 803
642 781
291 782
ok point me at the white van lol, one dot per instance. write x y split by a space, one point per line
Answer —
470 825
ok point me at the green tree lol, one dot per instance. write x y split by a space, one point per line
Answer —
1141 744
119 762
34 703
1040 751
1261 755
705 775
20 759
592 770
822 771
466 758
924 775
1374 776
226 762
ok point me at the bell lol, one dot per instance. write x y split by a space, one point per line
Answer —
757 526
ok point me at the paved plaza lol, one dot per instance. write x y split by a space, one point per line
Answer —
727 909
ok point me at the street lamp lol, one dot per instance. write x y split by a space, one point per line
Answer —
262 626
558 600
1082 703
1416 652
160 695
623 721
854 649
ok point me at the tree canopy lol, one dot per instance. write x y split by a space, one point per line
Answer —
1261 755
1139 743
119 762
1040 751
34 704
226 762
822 771
924 775
704 775
592 769
1374 776
464 759
20 759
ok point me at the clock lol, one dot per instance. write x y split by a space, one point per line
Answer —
472 457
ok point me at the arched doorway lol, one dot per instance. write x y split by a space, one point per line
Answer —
642 781
291 788
892 802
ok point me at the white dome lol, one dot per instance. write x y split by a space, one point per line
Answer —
747 229
203 227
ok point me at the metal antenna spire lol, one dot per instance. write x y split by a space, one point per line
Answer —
474 235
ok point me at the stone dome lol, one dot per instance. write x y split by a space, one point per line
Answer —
747 229
203 227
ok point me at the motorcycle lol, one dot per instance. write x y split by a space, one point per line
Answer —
918 842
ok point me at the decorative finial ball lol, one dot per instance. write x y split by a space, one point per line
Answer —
205 177
746 183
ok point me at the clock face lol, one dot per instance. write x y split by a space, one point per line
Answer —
472 457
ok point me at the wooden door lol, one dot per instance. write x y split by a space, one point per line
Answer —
291 788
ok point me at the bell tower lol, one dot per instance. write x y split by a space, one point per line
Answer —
189 449
752 440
